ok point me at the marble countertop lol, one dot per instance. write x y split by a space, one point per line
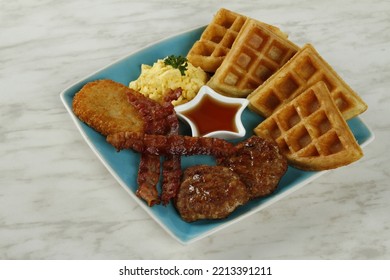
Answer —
57 201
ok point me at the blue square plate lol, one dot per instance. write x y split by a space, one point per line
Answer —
124 165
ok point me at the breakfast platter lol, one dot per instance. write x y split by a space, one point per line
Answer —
124 165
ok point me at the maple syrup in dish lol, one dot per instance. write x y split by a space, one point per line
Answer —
211 114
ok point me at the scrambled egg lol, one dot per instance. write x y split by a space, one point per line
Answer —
155 80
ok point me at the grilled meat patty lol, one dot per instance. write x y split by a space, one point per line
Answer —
209 192
258 163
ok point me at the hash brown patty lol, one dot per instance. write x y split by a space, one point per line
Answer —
104 106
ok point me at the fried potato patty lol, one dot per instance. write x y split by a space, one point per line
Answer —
104 106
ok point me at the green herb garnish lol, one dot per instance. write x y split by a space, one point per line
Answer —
178 62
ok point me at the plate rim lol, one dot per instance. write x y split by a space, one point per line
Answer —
189 240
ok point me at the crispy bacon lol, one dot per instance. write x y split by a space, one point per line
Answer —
171 144
153 113
148 177
171 178
172 163
149 167
159 119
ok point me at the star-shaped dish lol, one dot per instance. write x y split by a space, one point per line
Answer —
211 114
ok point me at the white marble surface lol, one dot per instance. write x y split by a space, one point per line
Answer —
57 201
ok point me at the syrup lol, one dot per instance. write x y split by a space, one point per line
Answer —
211 115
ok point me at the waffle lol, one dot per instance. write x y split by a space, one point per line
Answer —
217 39
311 132
306 68
257 53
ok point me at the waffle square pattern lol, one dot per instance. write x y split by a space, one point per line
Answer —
311 132
305 69
217 39
257 53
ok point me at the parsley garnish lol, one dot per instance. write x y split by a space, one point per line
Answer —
179 62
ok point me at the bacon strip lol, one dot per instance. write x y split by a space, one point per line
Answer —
171 178
149 167
172 163
148 177
153 113
171 144
159 119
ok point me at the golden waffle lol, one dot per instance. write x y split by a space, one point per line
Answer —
217 39
306 68
257 53
311 132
